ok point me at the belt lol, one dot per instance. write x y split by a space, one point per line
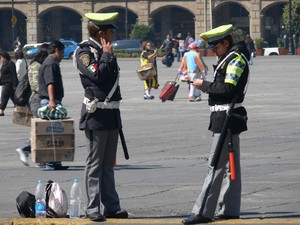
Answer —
217 108
104 105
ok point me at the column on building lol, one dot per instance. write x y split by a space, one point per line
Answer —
32 22
255 19
202 17
143 16
87 7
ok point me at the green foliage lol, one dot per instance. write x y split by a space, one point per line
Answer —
280 42
142 32
238 35
203 44
259 43
295 14
132 54
127 53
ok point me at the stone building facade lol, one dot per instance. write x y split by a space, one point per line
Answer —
37 17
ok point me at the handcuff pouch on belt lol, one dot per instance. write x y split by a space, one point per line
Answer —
92 104
91 107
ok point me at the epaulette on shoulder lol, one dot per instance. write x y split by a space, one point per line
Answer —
231 55
84 45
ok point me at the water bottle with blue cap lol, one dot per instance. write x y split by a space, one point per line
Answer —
40 202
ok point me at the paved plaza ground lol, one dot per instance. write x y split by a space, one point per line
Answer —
169 144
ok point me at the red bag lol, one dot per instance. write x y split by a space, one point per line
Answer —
169 90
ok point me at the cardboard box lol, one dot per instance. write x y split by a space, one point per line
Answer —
47 127
52 140
51 155
22 116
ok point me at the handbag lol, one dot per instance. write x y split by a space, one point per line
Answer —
146 71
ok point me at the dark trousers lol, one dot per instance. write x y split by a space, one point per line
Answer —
178 54
99 171
6 94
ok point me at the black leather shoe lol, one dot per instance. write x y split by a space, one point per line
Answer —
195 219
122 214
225 217
97 217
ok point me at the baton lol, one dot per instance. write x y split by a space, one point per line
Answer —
215 159
123 144
231 157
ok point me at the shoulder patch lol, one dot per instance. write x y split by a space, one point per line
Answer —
85 59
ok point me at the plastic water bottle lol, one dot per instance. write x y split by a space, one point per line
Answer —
75 200
40 203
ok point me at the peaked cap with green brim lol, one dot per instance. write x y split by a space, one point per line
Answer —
107 20
215 35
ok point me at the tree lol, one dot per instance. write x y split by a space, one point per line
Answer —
142 32
295 20
238 35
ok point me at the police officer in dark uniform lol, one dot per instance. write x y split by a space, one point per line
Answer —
228 86
100 115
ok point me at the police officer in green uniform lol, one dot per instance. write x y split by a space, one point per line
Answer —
100 115
229 82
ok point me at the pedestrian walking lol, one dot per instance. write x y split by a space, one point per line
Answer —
100 115
51 90
8 81
167 46
251 48
21 64
188 40
228 87
34 101
148 55
194 67
17 44
176 46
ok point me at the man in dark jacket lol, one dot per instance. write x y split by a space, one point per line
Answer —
168 45
228 85
8 80
100 115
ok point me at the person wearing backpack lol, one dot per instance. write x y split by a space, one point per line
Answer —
34 100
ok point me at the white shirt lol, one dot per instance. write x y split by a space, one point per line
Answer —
21 68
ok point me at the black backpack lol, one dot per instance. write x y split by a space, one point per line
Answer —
26 204
23 91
